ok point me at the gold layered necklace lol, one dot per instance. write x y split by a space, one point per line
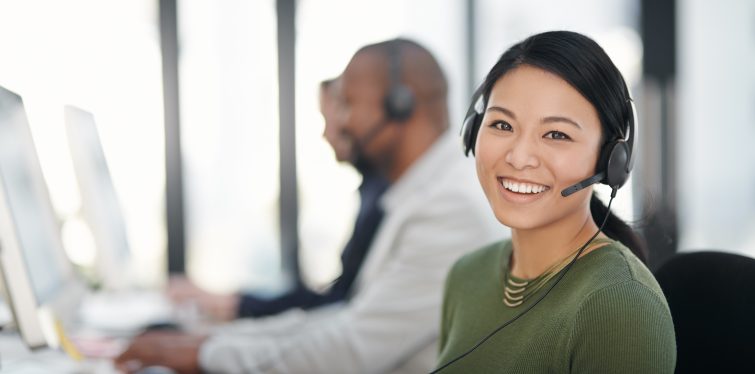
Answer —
516 291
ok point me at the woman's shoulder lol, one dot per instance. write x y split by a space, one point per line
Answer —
628 325
614 271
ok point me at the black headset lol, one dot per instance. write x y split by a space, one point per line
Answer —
613 169
614 165
616 157
399 101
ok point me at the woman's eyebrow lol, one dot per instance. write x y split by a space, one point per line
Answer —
501 109
545 120
552 119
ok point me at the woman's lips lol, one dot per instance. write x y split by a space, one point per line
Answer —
521 191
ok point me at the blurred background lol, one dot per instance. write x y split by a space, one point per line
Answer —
209 117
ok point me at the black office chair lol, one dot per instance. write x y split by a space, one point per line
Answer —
712 301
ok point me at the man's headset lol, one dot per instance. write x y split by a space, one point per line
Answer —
616 157
399 100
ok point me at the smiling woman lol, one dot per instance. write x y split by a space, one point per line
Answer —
530 140
555 120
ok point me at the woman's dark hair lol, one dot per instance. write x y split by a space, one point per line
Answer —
582 63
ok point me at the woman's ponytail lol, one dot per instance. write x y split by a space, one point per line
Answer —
617 229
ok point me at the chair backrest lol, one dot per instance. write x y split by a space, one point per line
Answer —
712 300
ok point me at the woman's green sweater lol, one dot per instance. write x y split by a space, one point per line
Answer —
607 315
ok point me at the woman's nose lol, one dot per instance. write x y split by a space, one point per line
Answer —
522 154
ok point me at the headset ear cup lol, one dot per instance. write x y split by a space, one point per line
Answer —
399 103
469 132
617 164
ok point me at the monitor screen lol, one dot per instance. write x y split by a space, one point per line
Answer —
100 202
33 218
38 278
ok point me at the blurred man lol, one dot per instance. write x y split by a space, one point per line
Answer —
226 307
397 120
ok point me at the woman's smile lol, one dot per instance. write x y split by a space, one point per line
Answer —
518 191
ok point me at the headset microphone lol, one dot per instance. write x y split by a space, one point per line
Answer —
359 144
583 184
616 159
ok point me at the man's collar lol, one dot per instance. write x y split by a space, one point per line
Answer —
424 171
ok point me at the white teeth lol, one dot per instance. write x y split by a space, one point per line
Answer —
523 187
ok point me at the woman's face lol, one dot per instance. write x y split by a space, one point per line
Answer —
538 136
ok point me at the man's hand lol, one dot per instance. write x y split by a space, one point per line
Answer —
219 307
178 351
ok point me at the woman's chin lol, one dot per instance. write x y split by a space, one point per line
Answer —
520 222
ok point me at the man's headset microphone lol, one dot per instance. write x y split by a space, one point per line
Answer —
614 165
398 104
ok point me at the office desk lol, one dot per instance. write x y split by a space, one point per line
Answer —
16 358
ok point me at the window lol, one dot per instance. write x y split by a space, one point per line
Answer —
103 57
229 133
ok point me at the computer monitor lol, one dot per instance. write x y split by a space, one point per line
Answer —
40 282
100 205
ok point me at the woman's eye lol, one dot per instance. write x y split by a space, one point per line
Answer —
557 135
501 125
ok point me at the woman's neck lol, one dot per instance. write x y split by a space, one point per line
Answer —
535 250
